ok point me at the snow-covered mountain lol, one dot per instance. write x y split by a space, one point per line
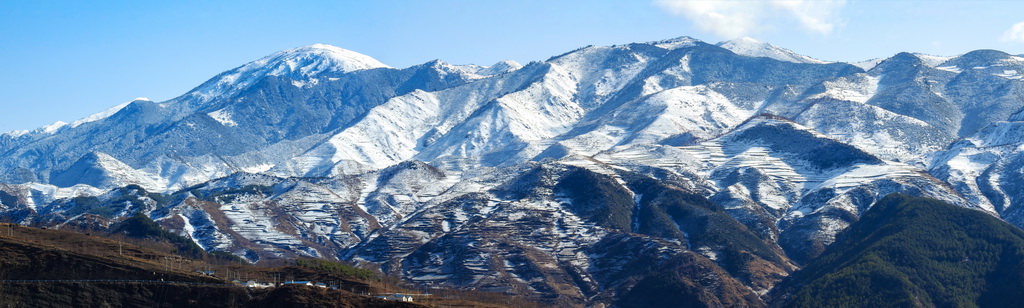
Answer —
739 159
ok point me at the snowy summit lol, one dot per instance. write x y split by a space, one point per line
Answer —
298 64
753 48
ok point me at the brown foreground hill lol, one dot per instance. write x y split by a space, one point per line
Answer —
53 268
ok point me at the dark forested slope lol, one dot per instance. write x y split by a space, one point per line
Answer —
914 252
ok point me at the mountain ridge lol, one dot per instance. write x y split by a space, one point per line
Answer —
321 152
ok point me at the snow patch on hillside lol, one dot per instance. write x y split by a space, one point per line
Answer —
50 129
932 60
223 117
868 64
951 69
697 110
390 133
858 88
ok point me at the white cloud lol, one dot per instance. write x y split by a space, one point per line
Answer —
1014 33
818 16
735 18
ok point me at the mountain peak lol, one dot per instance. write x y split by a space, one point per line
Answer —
98 169
298 63
979 58
503 66
326 57
751 47
747 40
676 43
900 62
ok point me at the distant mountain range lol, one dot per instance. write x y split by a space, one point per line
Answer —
575 180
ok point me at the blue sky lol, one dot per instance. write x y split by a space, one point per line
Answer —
64 60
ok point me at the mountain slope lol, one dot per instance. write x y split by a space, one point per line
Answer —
82 278
908 251
59 268
544 230
792 184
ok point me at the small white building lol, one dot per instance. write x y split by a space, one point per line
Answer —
398 297
259 285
